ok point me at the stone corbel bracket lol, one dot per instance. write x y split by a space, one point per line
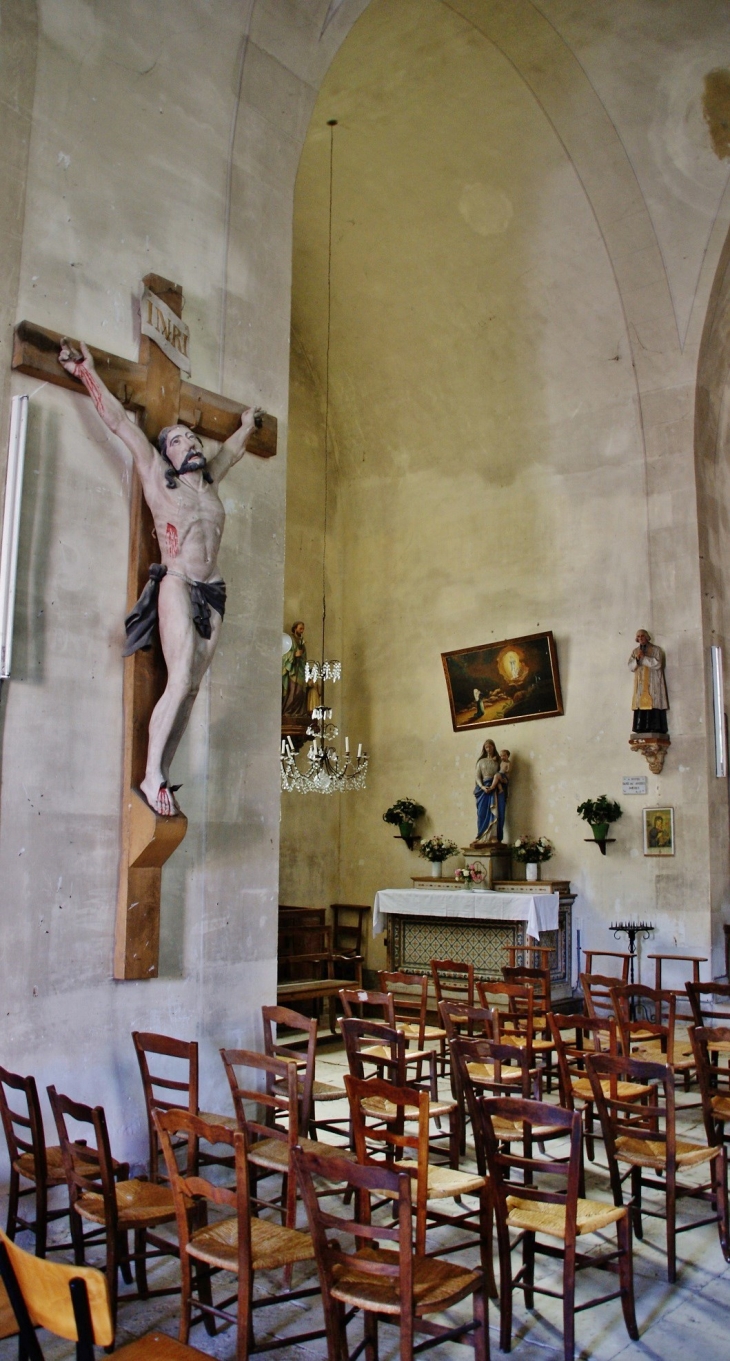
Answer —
652 746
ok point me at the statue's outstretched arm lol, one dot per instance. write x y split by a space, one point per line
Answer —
112 412
235 446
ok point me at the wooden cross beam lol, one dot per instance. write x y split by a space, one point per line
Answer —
155 389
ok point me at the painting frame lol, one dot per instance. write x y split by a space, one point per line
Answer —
515 680
651 833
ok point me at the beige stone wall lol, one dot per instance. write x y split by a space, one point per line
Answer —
162 137
528 214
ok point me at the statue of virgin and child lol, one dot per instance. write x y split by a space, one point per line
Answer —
492 786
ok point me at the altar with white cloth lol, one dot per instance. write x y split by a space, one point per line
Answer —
538 910
425 923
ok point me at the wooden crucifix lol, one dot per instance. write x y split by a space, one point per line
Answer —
155 388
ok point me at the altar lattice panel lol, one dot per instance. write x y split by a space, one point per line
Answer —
415 941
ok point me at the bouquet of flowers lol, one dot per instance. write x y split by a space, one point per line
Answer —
529 850
470 874
438 848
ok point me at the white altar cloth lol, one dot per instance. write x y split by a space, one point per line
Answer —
539 910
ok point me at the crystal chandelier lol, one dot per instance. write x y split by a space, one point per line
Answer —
326 772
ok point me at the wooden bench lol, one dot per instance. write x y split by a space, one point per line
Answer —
307 967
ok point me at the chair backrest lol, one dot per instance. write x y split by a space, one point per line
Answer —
89 1167
640 1016
714 1079
574 1037
514 1004
459 1019
410 999
23 1128
304 1063
609 954
385 1107
597 993
328 1229
373 1046
169 1070
502 1163
364 997
42 1296
540 980
269 1085
189 1191
453 980
477 1056
626 1118
703 999
347 927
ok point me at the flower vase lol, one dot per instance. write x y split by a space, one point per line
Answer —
532 871
436 869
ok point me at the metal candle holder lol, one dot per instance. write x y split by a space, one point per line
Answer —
632 930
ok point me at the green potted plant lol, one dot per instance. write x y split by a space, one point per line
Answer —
403 815
599 814
437 849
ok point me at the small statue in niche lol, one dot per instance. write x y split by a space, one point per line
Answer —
492 777
293 678
650 702
298 694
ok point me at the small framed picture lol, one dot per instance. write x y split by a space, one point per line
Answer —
658 831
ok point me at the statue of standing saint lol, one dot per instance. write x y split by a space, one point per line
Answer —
492 786
649 702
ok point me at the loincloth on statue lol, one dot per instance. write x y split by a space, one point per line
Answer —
141 621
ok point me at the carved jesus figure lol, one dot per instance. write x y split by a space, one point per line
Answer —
186 595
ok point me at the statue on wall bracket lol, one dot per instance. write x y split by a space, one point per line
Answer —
650 703
185 595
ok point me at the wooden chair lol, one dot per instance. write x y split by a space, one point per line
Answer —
71 1302
609 954
478 1023
354 1000
588 1035
660 960
655 1038
533 956
599 1000
391 1283
535 1210
269 1146
486 1067
704 999
309 1089
453 981
101 1193
380 1142
410 1003
30 1160
241 1243
178 1057
714 1082
539 980
348 930
514 1004
644 1138
8 1320
379 1051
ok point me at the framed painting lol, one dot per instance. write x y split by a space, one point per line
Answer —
507 682
658 831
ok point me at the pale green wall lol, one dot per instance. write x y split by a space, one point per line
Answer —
512 407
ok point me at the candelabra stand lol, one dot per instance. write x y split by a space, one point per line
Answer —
631 930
